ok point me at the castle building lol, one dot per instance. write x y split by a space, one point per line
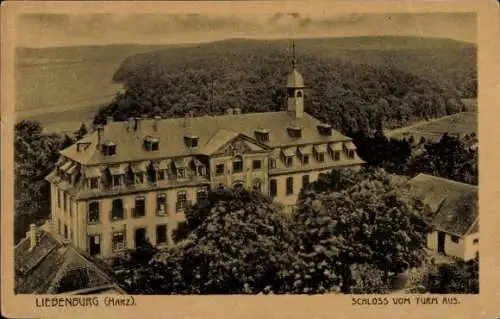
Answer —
131 181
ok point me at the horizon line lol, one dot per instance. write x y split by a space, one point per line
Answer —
248 38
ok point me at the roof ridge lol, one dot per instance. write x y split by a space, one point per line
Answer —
448 180
27 271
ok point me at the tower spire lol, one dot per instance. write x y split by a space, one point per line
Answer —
293 54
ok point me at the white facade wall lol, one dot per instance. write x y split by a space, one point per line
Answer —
471 243
465 248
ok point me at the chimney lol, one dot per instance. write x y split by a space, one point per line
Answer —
137 121
32 236
156 122
109 120
230 111
237 111
130 123
99 135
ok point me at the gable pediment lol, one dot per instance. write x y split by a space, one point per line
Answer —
240 145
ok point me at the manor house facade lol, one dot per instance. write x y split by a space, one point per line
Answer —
131 181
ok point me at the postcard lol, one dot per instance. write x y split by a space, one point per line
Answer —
248 159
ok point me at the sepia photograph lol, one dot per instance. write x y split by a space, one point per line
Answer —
280 152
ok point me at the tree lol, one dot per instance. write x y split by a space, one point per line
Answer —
350 96
450 157
35 155
361 217
457 277
243 246
81 132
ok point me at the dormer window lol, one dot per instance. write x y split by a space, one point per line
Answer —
82 146
191 141
262 135
350 149
305 152
319 152
294 131
287 156
151 143
325 129
108 148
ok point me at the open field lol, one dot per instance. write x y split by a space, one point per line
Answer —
460 123
63 87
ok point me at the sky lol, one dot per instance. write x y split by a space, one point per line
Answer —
49 30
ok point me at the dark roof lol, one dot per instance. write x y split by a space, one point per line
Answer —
213 132
41 270
454 203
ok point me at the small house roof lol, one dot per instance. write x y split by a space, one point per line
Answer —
454 203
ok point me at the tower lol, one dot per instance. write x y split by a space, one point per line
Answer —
295 90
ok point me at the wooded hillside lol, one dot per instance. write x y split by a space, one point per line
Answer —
353 83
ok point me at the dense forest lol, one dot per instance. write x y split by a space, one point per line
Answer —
357 84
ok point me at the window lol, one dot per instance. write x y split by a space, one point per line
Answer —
151 143
117 211
59 226
305 181
58 194
140 237
299 93
93 213
272 163
289 185
117 180
161 234
475 241
257 185
181 173
65 202
262 135
161 204
305 159
139 178
162 175
140 207
273 188
191 141
118 241
108 149
94 182
320 157
237 164
200 170
65 231
70 203
219 169
350 154
194 142
294 132
336 156
256 164
181 201
454 239
94 244
288 161
201 194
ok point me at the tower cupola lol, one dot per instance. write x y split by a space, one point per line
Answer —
295 90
